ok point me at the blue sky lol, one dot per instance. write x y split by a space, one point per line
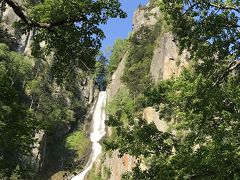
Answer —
119 28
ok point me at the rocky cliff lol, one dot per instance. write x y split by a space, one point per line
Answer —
166 62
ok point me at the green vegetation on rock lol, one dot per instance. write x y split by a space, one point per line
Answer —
119 49
72 142
29 104
202 104
137 75
99 171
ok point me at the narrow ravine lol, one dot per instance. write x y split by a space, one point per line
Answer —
98 131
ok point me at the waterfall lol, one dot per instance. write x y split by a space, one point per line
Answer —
98 131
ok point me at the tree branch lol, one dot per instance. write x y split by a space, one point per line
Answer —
63 40
225 7
232 66
19 12
51 25
222 6
190 8
226 25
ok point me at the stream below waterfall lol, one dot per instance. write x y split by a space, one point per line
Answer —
98 131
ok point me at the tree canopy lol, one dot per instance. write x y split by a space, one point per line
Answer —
70 29
209 30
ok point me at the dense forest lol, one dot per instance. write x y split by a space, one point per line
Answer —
42 92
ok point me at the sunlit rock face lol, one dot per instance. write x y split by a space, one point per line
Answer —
116 83
166 62
145 16
117 165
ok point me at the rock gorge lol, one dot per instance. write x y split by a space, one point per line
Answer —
165 63
164 106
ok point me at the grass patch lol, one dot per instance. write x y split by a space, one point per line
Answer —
78 142
68 154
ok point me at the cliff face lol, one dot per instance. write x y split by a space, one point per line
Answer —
166 62
145 16
116 83
8 18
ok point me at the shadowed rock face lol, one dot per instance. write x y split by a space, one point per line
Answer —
87 91
8 18
25 40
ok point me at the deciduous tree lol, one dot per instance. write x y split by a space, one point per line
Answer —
70 29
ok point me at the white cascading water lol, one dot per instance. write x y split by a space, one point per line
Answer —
98 131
